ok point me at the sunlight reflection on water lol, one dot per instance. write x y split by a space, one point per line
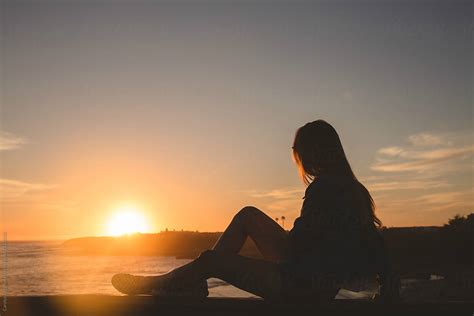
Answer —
40 268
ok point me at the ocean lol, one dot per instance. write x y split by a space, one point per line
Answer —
44 268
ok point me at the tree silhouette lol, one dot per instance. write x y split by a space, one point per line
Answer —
461 223
283 221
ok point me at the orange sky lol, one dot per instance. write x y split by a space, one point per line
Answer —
188 112
87 190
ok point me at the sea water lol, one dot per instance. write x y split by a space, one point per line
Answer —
46 268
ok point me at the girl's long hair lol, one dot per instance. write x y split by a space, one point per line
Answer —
318 151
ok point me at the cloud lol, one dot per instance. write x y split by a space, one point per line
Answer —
391 151
448 201
282 201
427 139
444 198
424 180
9 141
405 185
422 161
278 194
426 152
14 189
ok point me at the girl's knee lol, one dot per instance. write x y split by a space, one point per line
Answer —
248 212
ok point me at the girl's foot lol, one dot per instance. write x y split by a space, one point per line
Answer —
157 285
132 284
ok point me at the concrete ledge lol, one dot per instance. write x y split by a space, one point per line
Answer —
147 305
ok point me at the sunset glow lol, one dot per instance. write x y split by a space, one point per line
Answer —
127 219
186 113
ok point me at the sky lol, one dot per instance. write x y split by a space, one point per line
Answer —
185 112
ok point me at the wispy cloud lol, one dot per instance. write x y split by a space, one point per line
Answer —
427 152
428 139
457 201
9 141
278 194
281 201
405 185
14 189
445 198
428 174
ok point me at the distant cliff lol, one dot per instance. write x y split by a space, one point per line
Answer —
411 249
178 244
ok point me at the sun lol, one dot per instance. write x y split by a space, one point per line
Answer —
127 219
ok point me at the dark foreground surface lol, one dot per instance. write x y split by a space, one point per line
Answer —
147 305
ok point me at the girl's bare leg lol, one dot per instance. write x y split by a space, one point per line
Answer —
271 239
223 262
260 277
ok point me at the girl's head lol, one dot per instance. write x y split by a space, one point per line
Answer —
317 151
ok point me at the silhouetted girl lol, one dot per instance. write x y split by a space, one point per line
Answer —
334 242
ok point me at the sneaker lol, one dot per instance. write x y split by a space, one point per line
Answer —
132 284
